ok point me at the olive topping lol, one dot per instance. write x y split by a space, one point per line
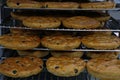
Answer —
56 67
18 3
40 67
14 71
76 70
23 41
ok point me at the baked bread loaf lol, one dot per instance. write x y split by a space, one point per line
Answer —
60 42
61 5
18 16
112 55
98 5
41 22
33 53
20 67
67 53
65 66
24 4
80 22
19 41
104 68
101 41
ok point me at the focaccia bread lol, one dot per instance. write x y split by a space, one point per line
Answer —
101 41
65 66
35 53
41 22
81 22
112 55
61 5
19 41
98 5
24 4
67 53
20 67
60 42
104 68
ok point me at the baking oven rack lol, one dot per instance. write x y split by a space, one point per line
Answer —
77 49
117 7
44 75
111 25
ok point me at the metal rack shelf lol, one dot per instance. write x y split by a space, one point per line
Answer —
60 29
46 49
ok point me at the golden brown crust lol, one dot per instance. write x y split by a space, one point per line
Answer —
18 16
66 53
105 68
33 53
24 4
60 42
80 22
98 5
21 66
65 66
19 41
41 22
101 41
61 5
112 55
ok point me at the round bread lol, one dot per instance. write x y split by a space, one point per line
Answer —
24 4
104 68
61 5
41 22
67 53
33 53
65 66
112 55
80 22
19 41
21 66
101 41
60 42
18 16
98 5
107 33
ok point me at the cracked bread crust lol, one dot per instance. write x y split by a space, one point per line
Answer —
41 22
24 4
20 67
98 5
101 41
60 42
19 41
65 66
80 22
104 68
61 5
